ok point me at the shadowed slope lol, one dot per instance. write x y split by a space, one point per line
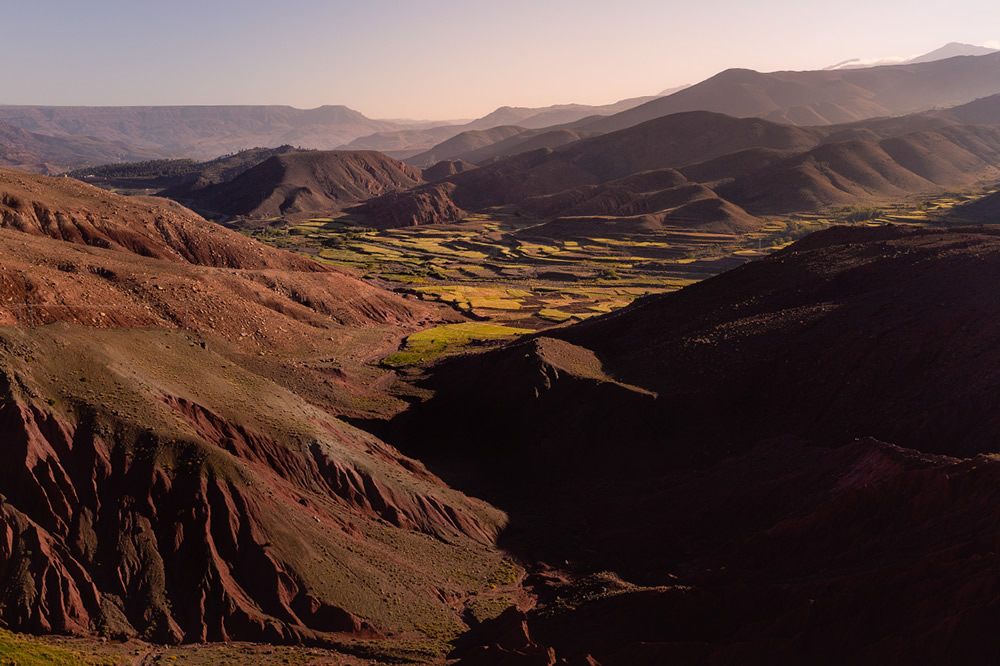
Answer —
445 168
526 142
493 145
866 171
983 211
716 456
646 202
666 142
308 183
547 118
457 146
826 97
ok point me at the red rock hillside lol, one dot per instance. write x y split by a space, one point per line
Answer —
174 464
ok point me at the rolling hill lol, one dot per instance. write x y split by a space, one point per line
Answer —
479 147
850 172
639 204
757 167
403 143
308 183
178 178
68 210
672 141
466 142
826 97
521 143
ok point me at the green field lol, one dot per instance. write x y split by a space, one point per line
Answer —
439 341
492 269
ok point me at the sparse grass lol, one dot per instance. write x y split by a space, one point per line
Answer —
30 651
552 314
440 340
482 609
504 574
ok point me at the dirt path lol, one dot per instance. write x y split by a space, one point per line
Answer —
150 656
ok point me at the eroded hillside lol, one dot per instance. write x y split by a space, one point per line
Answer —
175 465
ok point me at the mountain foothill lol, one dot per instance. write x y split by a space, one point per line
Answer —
789 462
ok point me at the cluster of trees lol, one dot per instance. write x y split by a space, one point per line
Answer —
855 214
149 169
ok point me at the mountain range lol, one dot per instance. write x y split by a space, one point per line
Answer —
43 153
789 462
706 169
204 132
748 165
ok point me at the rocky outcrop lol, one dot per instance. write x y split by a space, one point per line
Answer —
100 539
110 528
316 467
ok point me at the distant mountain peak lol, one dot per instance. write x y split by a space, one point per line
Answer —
949 50
952 50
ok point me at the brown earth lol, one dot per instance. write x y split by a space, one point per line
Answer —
68 210
867 161
414 141
627 195
206 174
460 144
532 140
153 487
308 183
445 168
644 203
867 171
754 164
666 142
484 146
192 485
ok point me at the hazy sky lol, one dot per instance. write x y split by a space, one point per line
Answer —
441 58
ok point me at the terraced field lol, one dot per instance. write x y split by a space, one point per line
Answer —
495 271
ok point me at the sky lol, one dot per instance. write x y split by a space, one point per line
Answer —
441 59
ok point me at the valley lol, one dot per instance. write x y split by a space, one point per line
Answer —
496 272
701 377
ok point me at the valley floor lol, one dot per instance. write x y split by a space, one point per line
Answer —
508 281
